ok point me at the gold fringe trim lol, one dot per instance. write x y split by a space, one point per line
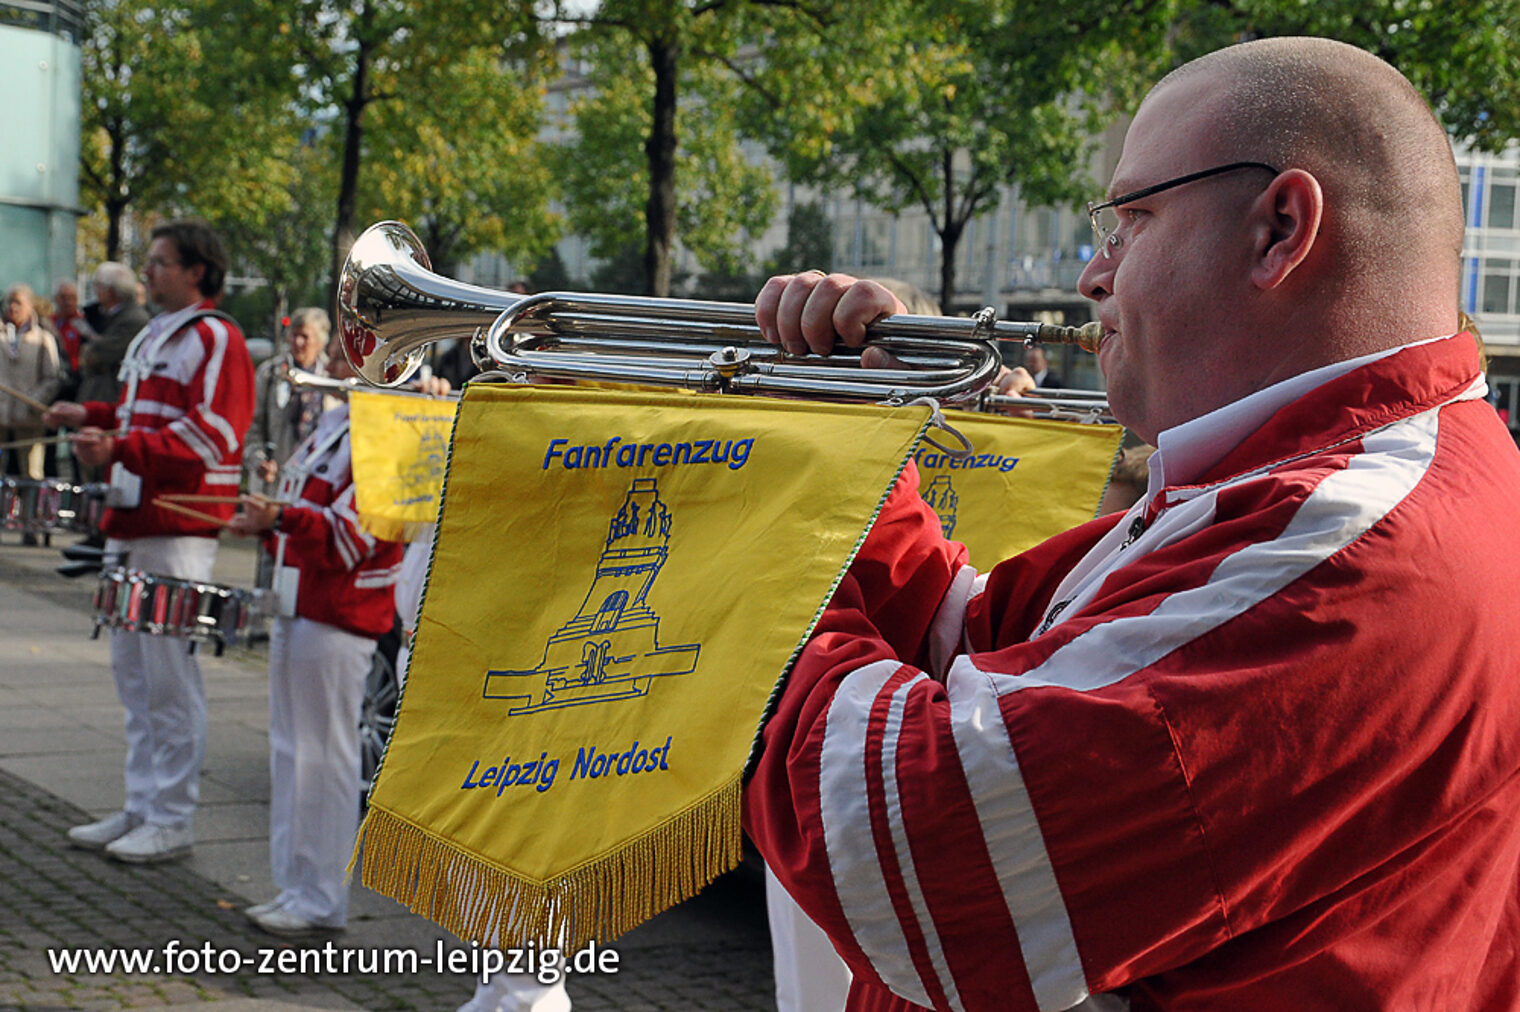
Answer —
602 899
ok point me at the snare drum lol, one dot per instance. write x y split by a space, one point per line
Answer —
87 508
50 506
167 606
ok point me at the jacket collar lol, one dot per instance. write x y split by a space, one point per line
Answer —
1320 408
1375 392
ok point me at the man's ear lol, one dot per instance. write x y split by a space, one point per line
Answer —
1289 215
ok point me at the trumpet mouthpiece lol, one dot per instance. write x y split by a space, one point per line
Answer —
1087 337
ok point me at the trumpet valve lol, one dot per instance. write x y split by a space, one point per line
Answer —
728 362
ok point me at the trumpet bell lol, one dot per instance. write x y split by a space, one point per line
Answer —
391 305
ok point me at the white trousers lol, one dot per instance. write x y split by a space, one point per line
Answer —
518 992
810 976
158 681
316 688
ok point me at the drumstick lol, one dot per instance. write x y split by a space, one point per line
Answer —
183 498
44 440
161 503
34 441
234 499
26 399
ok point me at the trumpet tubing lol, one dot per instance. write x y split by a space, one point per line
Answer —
391 306
296 376
1075 405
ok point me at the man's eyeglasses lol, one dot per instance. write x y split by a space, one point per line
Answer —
1105 216
161 262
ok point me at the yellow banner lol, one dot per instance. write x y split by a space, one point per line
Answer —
618 582
1028 479
400 446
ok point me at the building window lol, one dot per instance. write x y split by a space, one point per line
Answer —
870 245
1501 203
1498 287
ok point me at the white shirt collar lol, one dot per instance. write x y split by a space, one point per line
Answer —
1185 452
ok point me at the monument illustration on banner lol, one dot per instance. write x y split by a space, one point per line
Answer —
425 469
610 650
941 497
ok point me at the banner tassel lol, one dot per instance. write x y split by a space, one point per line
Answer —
602 899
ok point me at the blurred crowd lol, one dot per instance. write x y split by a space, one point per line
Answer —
59 349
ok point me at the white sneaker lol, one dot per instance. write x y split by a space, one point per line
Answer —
258 910
148 844
95 835
282 922
517 993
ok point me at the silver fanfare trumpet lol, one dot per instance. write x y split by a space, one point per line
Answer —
391 306
1052 402
298 377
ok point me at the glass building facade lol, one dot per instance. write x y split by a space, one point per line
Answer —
39 161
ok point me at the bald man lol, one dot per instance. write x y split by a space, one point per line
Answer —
1250 744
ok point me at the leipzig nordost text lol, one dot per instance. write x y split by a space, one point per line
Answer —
589 765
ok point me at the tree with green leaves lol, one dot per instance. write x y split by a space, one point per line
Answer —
287 246
1462 55
127 111
657 147
467 171
954 101
176 118
404 80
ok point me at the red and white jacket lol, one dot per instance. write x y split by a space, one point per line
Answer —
1268 759
347 576
186 401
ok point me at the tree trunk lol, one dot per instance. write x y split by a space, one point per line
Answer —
949 233
116 203
660 148
114 211
281 310
348 180
949 240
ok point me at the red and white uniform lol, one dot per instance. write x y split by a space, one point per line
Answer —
1251 746
348 576
186 400
318 661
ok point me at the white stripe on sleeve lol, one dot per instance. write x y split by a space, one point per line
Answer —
846 816
213 372
1342 508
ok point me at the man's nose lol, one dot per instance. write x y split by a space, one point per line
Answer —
1097 277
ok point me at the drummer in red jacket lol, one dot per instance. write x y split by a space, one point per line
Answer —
335 583
177 428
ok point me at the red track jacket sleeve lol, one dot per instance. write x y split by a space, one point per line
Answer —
1268 762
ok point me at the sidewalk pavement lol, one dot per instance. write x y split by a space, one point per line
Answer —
61 753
